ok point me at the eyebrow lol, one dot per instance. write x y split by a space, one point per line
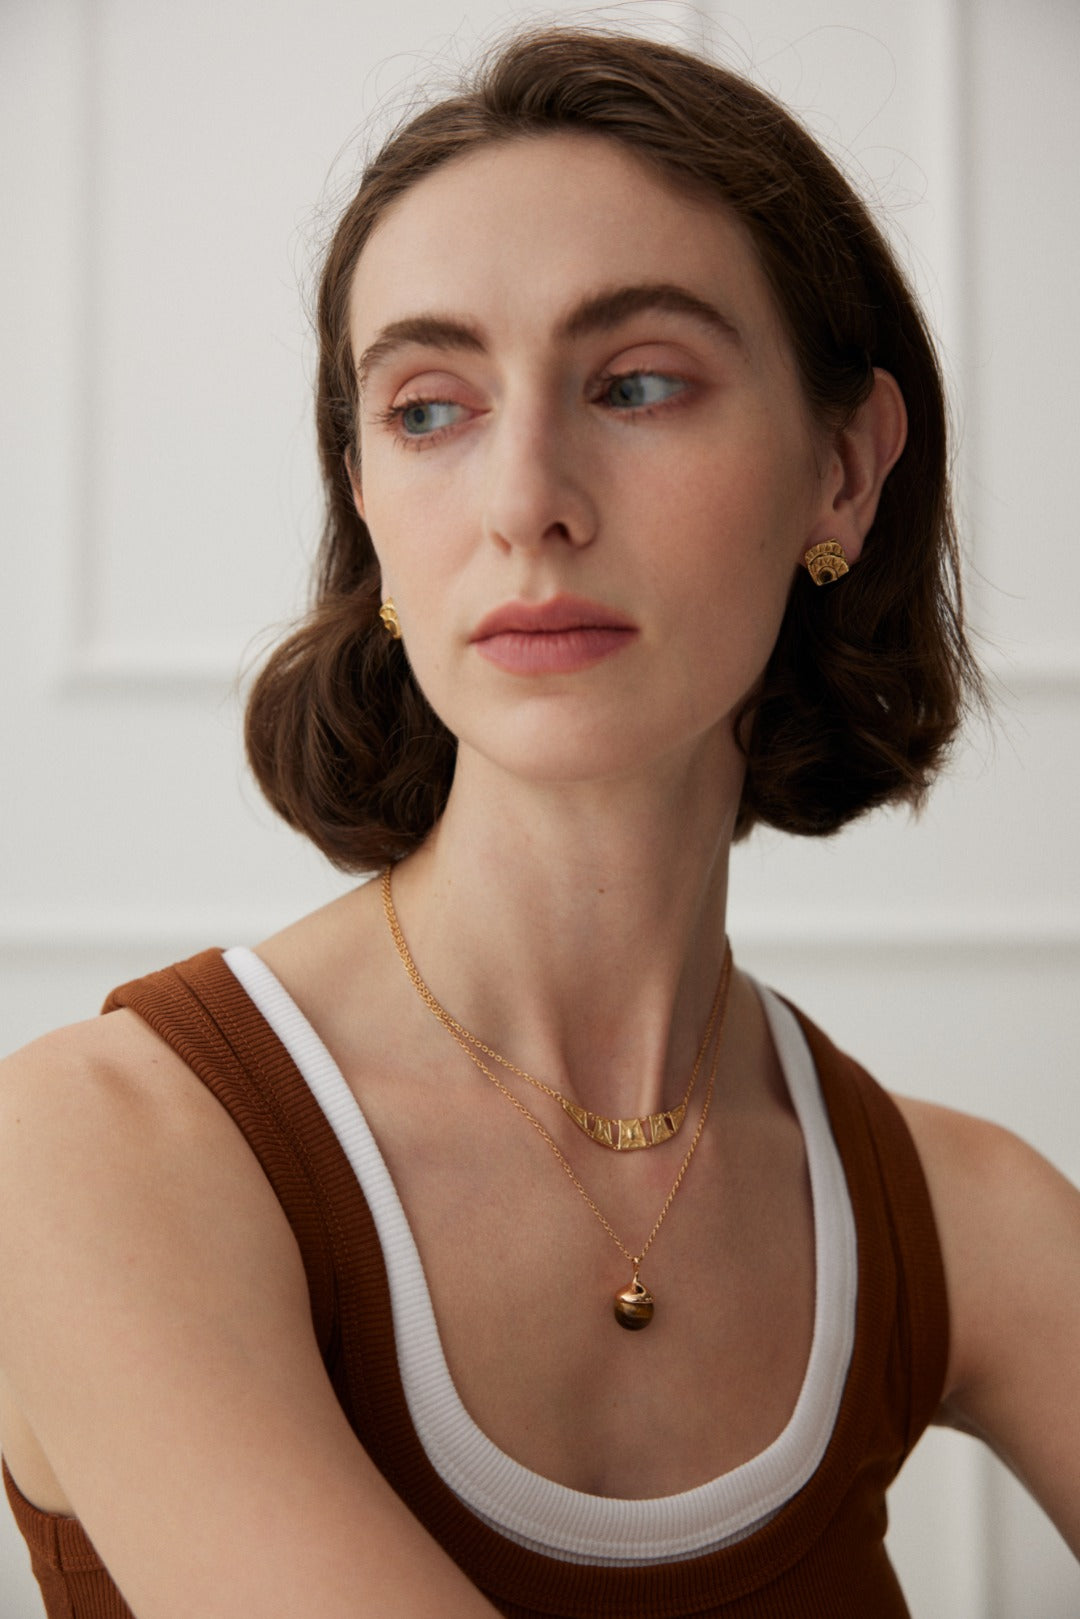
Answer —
427 331
600 312
615 305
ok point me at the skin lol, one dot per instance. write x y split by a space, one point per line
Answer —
571 905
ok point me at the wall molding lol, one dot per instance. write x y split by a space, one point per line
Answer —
799 932
128 671
1052 673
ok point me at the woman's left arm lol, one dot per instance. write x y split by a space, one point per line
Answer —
1009 1226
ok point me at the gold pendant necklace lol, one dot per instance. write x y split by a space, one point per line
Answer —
620 1135
634 1306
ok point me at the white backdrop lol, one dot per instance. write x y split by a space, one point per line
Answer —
165 185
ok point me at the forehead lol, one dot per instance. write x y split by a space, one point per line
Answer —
519 230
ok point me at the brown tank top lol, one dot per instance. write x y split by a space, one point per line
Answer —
823 1552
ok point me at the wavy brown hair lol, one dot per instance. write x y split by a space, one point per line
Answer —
868 679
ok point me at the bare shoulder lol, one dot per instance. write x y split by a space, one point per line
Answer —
113 1156
1009 1226
996 1162
114 1052
984 1180
124 1186
1008 1222
108 1100
104 1120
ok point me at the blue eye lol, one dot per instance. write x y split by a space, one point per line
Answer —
638 389
421 418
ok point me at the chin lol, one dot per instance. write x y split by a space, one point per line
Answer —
552 750
557 762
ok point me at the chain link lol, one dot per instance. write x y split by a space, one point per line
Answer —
461 1036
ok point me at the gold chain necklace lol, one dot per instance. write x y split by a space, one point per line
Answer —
620 1135
634 1306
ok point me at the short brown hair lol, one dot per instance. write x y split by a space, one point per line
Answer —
867 682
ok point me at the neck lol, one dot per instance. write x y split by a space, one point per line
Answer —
578 930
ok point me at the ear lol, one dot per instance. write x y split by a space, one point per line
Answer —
352 470
862 456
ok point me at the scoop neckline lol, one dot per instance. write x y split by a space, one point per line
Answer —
511 1500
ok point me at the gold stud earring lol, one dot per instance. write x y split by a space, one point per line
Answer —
391 623
826 562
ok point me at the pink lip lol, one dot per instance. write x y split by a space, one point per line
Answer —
560 613
554 637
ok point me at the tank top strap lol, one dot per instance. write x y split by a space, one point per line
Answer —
882 1162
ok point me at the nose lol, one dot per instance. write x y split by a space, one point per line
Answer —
537 488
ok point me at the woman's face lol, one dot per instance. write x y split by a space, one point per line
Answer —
576 393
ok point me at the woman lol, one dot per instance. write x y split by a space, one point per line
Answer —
638 534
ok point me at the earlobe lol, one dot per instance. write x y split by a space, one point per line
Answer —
865 451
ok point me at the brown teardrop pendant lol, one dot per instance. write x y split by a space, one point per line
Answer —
634 1306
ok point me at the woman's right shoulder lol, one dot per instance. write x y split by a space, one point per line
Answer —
96 1047
108 1073
105 1130
93 1070
130 1207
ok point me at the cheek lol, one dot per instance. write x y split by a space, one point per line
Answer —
420 537
735 516
731 538
415 528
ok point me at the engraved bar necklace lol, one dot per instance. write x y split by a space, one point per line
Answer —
634 1305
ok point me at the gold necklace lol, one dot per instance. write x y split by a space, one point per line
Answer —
634 1305
620 1135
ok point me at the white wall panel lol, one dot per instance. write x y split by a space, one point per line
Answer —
166 173
1025 244
1031 1573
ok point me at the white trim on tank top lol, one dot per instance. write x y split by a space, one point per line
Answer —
534 1511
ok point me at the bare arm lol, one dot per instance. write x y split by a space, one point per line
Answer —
1010 1231
156 1332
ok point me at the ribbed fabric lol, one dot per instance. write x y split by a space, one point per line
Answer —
535 1511
820 1557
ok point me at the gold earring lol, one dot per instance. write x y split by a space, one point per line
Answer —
826 562
391 623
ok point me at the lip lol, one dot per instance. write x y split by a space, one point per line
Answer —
555 637
548 618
